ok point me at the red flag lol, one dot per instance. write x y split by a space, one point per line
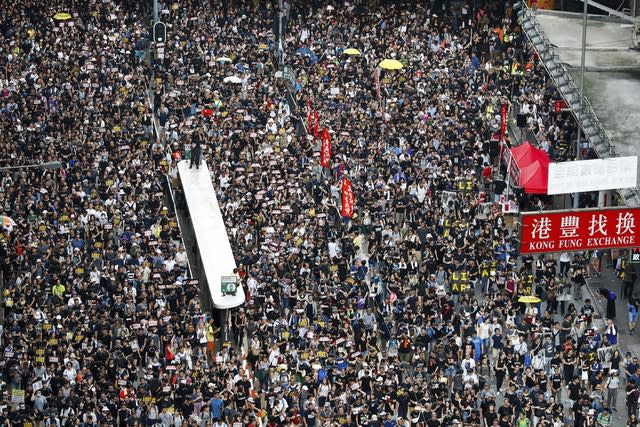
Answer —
308 114
316 123
347 198
503 124
325 150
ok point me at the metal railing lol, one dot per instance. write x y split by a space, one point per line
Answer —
157 129
582 111
566 86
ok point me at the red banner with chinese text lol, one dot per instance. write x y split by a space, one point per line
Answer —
325 150
503 121
580 230
347 198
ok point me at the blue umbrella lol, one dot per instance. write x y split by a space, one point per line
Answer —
304 51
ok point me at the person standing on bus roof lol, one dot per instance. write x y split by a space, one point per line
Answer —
196 152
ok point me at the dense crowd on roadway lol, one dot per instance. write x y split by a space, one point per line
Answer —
406 314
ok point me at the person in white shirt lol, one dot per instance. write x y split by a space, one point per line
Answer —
181 257
565 262
169 263
74 301
333 249
470 379
220 423
484 335
69 373
166 418
613 384
468 364
421 191
519 346
130 291
274 355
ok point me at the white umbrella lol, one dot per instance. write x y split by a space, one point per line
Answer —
233 79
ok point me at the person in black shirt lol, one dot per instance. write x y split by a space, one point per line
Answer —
568 363
539 407
500 370
506 410
543 381
581 410
310 414
123 415
403 398
490 415
527 261
5 416
474 418
240 398
196 153
579 282
433 420
245 383
499 186
556 383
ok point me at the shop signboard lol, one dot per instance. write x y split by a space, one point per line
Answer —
579 230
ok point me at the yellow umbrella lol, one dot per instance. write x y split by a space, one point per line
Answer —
224 59
352 51
262 46
62 16
390 64
529 299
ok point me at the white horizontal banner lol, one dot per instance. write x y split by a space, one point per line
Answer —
593 175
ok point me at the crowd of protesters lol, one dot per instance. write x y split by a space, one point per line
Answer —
405 314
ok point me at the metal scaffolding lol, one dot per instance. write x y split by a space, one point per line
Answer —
579 105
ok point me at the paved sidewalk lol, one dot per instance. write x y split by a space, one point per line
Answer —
610 281
627 342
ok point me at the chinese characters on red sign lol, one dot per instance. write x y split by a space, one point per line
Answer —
579 230
325 149
347 198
